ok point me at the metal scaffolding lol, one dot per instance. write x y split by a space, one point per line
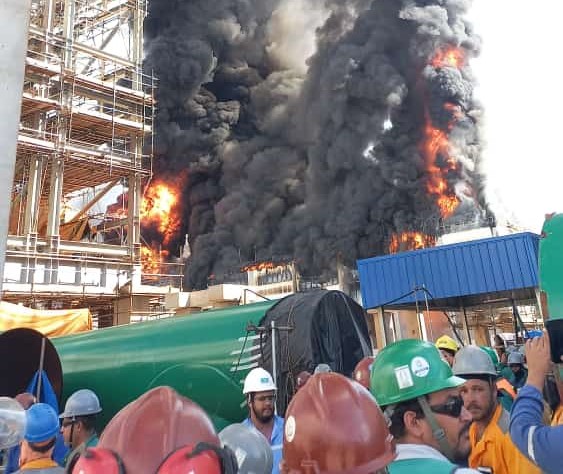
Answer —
86 128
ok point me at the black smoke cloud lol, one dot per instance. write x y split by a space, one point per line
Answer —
299 123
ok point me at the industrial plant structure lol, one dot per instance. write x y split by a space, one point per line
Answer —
85 128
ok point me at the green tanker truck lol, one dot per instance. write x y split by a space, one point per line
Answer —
204 356
201 356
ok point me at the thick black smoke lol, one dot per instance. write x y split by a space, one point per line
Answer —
315 159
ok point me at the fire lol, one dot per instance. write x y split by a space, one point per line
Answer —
449 57
152 260
258 267
159 209
118 210
435 145
410 241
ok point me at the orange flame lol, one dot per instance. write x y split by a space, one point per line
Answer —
152 260
410 241
258 267
118 210
159 208
449 57
435 145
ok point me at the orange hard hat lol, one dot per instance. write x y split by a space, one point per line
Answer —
149 429
334 425
362 372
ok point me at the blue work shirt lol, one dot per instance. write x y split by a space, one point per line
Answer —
276 442
59 453
540 443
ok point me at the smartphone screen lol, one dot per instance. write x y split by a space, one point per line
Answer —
555 330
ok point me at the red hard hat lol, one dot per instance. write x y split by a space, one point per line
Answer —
97 460
186 460
155 425
334 425
362 372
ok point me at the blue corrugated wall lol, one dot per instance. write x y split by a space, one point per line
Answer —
468 268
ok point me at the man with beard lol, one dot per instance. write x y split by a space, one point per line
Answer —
421 400
491 447
260 391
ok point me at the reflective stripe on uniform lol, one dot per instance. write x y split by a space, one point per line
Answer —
531 453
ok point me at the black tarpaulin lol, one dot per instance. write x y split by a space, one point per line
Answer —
327 327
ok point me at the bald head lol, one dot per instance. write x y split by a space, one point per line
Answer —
25 399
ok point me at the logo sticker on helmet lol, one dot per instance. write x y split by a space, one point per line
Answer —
404 377
290 429
420 367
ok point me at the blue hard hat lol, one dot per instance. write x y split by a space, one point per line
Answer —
42 423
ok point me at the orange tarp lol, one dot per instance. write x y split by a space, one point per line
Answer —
48 322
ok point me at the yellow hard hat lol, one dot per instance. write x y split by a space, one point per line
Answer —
446 342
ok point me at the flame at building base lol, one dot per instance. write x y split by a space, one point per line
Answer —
152 261
410 241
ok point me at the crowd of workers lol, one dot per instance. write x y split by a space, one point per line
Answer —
415 407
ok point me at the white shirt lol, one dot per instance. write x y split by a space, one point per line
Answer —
423 451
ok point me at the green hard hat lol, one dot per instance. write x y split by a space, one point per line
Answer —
492 354
409 369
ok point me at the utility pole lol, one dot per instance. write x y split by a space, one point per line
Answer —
14 25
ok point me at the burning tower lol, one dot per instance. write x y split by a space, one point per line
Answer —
314 129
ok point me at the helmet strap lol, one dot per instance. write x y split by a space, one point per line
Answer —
70 441
227 458
437 431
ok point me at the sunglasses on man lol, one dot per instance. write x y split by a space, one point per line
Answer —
451 408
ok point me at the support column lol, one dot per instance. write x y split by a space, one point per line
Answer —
14 26
33 196
54 220
68 31
465 323
55 203
135 182
379 328
135 197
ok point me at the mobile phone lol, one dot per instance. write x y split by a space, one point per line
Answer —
555 329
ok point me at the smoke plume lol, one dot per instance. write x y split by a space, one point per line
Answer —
300 124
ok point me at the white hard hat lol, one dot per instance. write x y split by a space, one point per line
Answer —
515 358
81 403
251 448
322 369
13 422
258 380
472 360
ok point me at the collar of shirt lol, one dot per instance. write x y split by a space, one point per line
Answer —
494 425
92 441
418 451
39 464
